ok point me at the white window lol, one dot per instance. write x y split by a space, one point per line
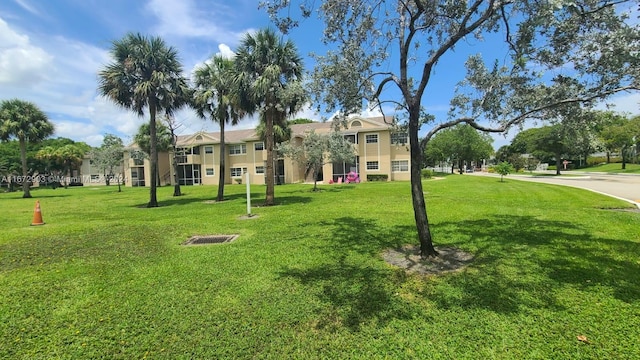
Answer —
259 169
237 149
237 172
208 149
209 171
371 138
399 138
373 165
351 138
400 165
259 146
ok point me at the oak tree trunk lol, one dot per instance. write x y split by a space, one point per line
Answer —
417 194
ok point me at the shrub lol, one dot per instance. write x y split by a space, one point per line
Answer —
377 177
598 160
504 168
427 173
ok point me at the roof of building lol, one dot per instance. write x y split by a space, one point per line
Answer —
297 130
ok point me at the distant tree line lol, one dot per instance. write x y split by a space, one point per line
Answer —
608 132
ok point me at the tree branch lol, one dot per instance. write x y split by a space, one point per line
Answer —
462 32
520 118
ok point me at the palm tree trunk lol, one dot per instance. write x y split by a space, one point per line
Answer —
153 200
176 176
417 194
221 172
25 173
270 195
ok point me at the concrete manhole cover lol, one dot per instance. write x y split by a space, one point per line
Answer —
209 239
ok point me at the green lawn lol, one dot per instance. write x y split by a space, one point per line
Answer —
614 168
108 278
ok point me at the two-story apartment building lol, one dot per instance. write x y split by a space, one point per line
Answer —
379 149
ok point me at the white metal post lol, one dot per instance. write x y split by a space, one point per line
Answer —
248 196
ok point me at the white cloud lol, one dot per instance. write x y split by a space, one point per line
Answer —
226 51
308 112
27 6
78 132
59 73
623 103
21 63
184 19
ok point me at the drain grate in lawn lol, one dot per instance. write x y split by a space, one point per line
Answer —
209 239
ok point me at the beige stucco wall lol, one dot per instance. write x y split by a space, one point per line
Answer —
383 152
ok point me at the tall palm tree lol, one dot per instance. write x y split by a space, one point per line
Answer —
70 157
281 133
25 121
164 142
270 73
216 97
145 74
63 159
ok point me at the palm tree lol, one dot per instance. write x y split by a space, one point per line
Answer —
270 71
25 121
164 142
70 157
281 133
145 74
216 97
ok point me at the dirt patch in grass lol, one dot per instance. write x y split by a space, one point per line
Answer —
408 258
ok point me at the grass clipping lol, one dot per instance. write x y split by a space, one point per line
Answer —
408 257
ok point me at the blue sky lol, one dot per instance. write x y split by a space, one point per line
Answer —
52 50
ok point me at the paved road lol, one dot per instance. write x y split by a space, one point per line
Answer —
624 187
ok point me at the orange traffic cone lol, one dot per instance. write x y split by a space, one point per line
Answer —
37 215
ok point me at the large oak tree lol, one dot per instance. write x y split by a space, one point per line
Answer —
556 56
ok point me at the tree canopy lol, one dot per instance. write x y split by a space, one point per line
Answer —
217 96
24 121
143 138
459 145
108 157
315 150
270 73
145 74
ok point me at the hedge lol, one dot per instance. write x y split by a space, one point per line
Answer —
377 177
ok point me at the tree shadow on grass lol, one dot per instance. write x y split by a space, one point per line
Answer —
521 263
525 261
257 200
356 286
186 199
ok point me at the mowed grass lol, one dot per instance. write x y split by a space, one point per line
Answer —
108 278
614 168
